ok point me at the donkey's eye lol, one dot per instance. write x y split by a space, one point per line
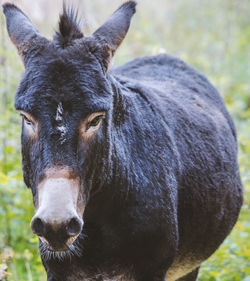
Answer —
95 122
26 119
91 124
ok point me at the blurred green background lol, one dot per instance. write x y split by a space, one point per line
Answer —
213 36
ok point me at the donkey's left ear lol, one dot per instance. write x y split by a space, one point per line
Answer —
114 30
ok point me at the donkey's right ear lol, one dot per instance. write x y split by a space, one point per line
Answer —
21 31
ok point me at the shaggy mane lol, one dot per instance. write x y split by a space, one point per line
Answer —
69 27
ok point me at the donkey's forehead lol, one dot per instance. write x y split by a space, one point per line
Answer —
50 82
71 62
62 72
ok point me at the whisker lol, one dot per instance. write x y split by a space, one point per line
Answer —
73 250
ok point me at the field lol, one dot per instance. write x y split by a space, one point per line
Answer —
213 36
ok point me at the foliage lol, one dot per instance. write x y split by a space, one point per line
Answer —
214 36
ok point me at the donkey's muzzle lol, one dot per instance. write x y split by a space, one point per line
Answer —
58 236
58 219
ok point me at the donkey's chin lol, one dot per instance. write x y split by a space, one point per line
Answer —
67 251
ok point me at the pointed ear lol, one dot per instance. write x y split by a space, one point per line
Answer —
114 30
21 31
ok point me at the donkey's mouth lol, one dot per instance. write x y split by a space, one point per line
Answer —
58 249
59 252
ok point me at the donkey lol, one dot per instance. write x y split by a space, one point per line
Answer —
133 170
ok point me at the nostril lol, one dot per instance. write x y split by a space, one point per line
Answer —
74 226
38 226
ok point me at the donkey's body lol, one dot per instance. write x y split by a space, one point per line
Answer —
203 138
156 183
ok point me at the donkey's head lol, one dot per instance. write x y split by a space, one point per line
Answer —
65 100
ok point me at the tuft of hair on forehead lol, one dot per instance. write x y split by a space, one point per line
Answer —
69 27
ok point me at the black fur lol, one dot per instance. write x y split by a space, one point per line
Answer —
69 27
161 178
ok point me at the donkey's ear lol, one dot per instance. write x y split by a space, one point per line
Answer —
113 31
21 31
